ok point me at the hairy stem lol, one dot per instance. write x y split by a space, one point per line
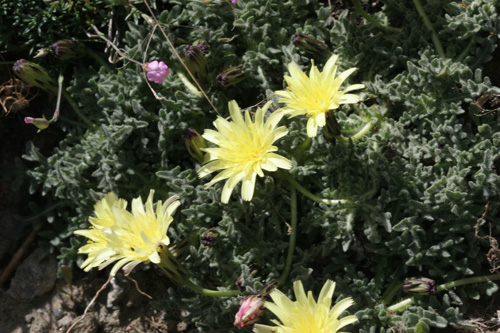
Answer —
209 292
361 133
428 24
75 107
371 19
293 237
301 189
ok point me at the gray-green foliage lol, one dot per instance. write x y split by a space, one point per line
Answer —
418 181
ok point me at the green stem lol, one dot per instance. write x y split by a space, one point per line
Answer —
361 133
294 183
465 52
445 286
77 110
391 292
477 279
371 19
179 275
428 24
97 58
401 305
36 216
293 238
55 116
209 292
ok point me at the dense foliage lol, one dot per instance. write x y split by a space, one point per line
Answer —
417 182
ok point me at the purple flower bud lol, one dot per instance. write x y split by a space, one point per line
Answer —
67 49
419 286
41 123
209 237
197 64
194 144
251 309
231 76
202 46
156 71
35 75
311 45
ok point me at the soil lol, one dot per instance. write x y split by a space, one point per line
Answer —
121 306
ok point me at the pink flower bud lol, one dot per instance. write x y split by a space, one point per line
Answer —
156 71
234 1
251 309
41 123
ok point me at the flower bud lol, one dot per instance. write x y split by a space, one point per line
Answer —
156 71
202 45
419 286
41 123
251 309
194 144
231 76
239 283
35 75
209 237
197 64
66 273
311 45
65 49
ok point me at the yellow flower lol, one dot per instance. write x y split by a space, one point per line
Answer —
305 315
127 237
317 94
245 150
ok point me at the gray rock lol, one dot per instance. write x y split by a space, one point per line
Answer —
35 276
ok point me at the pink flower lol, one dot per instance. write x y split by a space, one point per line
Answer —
251 309
156 71
234 1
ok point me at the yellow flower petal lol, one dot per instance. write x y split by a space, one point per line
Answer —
317 94
245 149
305 314
127 238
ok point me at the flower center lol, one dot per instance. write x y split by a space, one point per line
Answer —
247 150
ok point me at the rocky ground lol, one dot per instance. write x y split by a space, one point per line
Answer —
37 301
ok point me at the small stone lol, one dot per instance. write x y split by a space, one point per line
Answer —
88 324
35 276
